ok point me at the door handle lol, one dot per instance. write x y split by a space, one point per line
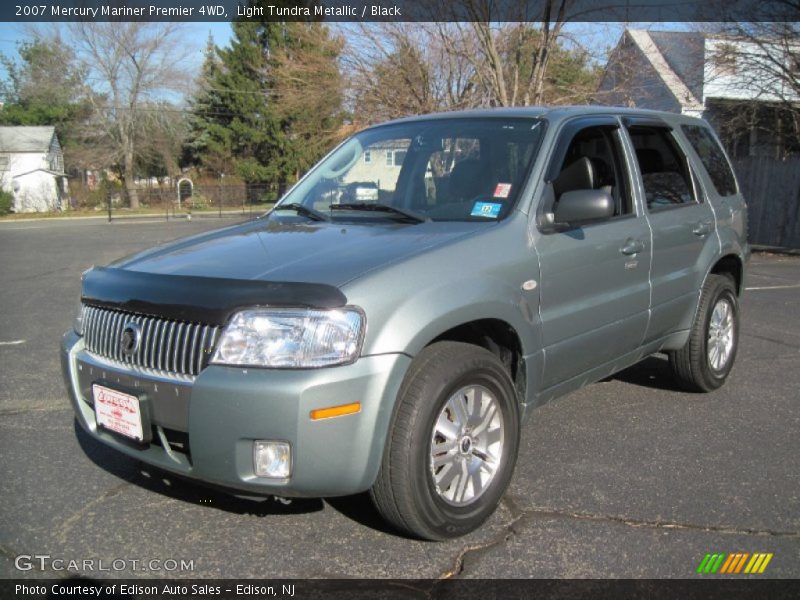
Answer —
632 246
702 228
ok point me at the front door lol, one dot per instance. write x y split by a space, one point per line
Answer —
595 289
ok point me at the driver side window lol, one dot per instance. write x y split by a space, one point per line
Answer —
593 161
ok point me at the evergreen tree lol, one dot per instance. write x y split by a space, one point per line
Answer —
269 105
45 87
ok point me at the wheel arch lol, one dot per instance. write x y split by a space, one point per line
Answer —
498 337
733 265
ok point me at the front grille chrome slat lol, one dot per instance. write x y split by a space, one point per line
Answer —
166 347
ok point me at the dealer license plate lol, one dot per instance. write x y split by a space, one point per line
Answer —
118 412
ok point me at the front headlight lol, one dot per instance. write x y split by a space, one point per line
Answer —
291 338
77 324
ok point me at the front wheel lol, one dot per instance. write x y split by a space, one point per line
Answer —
453 444
704 363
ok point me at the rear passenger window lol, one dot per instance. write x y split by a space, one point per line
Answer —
713 158
664 168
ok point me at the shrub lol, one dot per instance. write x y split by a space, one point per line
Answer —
6 202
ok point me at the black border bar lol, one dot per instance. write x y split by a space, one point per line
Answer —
400 10
457 589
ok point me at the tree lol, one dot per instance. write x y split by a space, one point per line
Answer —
307 93
269 105
399 69
164 126
234 125
130 65
510 60
207 144
45 87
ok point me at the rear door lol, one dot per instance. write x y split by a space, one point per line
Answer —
594 294
682 223
719 186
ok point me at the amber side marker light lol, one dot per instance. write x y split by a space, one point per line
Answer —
335 411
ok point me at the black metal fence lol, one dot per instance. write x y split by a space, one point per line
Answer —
197 200
772 190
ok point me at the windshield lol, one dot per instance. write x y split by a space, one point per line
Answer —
458 169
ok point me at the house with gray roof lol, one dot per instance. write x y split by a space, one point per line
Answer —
707 76
32 168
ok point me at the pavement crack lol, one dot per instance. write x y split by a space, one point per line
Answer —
518 514
772 340
7 552
656 524
476 549
72 520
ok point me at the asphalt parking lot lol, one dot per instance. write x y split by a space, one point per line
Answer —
626 478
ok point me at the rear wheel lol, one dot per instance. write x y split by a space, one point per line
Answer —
704 363
453 444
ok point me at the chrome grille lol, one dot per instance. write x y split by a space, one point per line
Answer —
165 345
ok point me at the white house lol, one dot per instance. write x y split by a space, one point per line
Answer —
713 77
380 164
32 168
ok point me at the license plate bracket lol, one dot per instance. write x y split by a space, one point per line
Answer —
122 411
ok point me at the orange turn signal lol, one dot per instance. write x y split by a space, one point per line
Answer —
335 411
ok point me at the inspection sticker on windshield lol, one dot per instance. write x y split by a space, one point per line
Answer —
502 190
490 210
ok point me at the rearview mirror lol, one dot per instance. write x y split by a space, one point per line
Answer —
582 206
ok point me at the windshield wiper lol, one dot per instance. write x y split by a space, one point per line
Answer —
302 209
377 206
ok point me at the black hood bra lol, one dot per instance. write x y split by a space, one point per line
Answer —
209 300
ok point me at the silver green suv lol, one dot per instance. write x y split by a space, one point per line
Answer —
395 341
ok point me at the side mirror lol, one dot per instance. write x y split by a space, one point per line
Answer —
581 206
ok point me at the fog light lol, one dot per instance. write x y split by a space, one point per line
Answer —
272 459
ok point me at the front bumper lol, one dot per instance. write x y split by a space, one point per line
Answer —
215 419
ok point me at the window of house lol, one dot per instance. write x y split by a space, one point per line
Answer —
57 162
712 157
367 156
389 158
724 59
794 64
664 168
3 163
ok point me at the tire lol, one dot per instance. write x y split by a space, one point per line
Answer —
428 501
705 362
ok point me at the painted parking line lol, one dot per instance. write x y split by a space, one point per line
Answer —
774 287
12 343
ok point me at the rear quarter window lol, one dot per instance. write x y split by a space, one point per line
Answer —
712 157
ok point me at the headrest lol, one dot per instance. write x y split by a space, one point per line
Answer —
466 179
577 176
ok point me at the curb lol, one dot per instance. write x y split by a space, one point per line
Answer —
776 250
150 216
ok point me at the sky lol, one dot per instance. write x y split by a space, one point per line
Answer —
196 34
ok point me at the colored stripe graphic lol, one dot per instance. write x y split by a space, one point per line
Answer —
711 563
764 564
734 563
740 564
727 563
701 568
